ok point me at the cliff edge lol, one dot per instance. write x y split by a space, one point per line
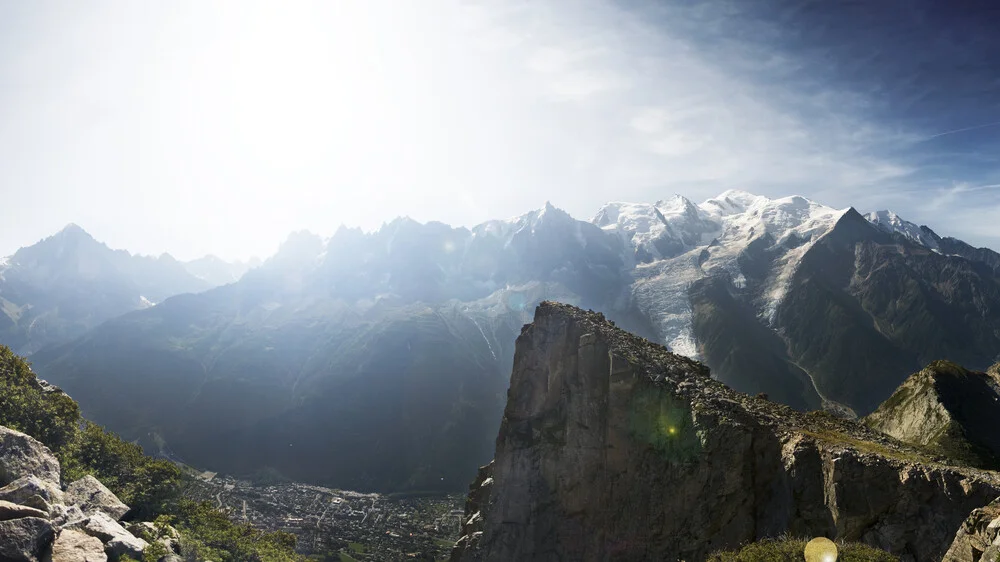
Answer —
612 448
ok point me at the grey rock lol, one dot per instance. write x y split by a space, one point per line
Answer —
946 408
21 455
100 525
599 459
125 545
25 540
64 516
978 538
117 541
92 496
10 510
75 546
24 488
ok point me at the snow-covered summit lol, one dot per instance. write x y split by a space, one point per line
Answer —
890 222
676 243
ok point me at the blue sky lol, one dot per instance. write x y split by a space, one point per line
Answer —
220 127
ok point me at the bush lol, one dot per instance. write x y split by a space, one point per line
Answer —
209 535
791 550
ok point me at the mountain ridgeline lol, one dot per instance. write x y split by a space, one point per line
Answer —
68 283
380 361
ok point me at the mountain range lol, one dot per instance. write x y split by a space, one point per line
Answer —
380 360
59 288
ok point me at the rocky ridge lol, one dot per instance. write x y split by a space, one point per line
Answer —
40 521
978 540
947 408
613 448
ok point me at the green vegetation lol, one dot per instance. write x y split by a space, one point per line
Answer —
791 550
209 535
150 486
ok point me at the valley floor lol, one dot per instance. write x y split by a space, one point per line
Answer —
339 525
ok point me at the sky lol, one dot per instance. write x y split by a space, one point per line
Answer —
219 127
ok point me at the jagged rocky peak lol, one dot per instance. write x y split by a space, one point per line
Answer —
613 448
949 409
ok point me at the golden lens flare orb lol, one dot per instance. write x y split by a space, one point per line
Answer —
821 549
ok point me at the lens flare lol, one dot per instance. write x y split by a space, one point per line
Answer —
821 549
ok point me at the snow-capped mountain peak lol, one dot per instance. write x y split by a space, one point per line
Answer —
675 243
889 222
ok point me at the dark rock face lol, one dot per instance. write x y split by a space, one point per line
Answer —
25 540
978 540
611 448
949 409
867 310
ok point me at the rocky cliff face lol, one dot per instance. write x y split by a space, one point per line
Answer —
947 408
612 448
978 540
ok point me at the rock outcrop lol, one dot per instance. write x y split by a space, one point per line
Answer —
39 522
92 497
74 546
612 448
948 409
979 538
21 455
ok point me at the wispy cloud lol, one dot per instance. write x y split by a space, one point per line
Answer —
688 122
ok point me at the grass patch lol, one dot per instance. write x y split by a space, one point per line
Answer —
443 543
791 550
356 547
345 557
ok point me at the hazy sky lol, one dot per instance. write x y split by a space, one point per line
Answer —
219 127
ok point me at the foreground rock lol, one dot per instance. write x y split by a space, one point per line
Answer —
21 455
25 540
948 409
612 448
10 510
979 538
39 522
93 497
74 546
25 488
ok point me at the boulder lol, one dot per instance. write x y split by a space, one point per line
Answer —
22 455
74 546
92 496
10 510
25 540
125 545
24 488
978 540
67 516
100 525
117 541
